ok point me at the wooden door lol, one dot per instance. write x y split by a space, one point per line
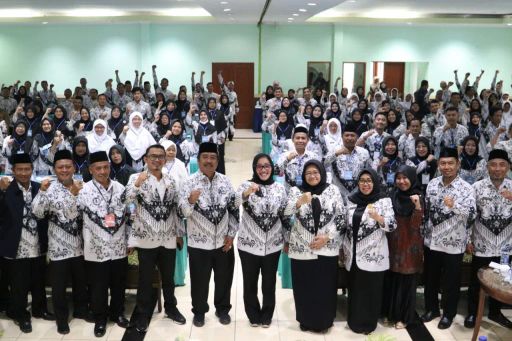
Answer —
394 75
243 76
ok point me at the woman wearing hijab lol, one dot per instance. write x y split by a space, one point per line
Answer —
261 238
33 121
287 106
22 95
160 126
472 166
61 122
98 139
394 126
361 122
474 127
47 144
405 250
84 125
334 112
173 166
313 247
119 170
315 127
116 123
204 130
333 140
424 162
184 148
365 249
81 159
136 139
388 162
281 134
18 143
182 104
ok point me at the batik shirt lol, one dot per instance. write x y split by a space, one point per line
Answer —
346 168
29 241
214 216
293 169
450 138
374 144
65 223
447 229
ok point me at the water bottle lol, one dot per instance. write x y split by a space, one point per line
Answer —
504 255
482 338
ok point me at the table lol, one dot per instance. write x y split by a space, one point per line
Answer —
491 284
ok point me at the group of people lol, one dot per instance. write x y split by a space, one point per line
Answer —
389 188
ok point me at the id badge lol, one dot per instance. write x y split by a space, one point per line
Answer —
78 177
20 152
29 133
425 179
317 131
109 220
376 155
282 138
205 139
348 175
390 178
298 181
212 122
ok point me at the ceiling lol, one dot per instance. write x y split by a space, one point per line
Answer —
249 11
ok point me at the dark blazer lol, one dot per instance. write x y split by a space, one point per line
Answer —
11 216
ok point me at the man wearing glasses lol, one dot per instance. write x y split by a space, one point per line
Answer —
156 231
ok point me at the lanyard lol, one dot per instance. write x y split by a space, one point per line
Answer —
204 129
213 114
283 132
109 200
114 171
452 134
471 164
60 124
20 144
80 166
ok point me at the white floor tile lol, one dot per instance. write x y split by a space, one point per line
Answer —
289 330
213 331
8 329
82 330
42 330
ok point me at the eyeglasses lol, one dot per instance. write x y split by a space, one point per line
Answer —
265 166
365 182
312 173
156 157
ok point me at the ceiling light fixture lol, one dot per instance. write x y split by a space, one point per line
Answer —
94 12
20 13
295 14
302 10
391 14
311 4
351 1
509 24
291 19
223 2
44 22
227 9
184 12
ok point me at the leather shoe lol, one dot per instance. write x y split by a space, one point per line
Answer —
469 321
45 315
62 327
198 320
121 321
100 329
429 316
25 326
142 325
224 318
175 315
445 323
501 320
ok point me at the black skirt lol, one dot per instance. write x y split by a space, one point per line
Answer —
364 299
399 303
315 291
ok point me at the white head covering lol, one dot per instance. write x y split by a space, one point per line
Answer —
333 141
137 139
175 168
101 142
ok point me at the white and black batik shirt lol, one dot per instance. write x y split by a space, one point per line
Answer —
447 229
64 221
450 138
293 169
346 168
29 240
492 230
214 216
263 226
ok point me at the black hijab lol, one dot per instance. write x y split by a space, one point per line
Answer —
426 142
402 203
363 200
255 178
474 129
469 162
22 142
43 138
116 124
163 128
284 128
316 190
315 122
384 143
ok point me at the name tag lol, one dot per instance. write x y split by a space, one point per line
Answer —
78 177
390 178
20 151
205 139
298 180
109 220
376 155
212 122
29 133
348 175
425 179
282 138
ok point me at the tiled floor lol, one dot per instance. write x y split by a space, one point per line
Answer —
239 156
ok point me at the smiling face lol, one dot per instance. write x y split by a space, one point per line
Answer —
448 166
116 157
365 184
300 140
64 170
170 153
422 149
470 147
498 169
390 147
312 175
263 169
136 121
333 128
47 126
100 171
402 182
99 129
20 129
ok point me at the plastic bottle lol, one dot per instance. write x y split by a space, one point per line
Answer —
482 338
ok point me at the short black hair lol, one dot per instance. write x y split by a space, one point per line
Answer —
451 108
157 146
135 89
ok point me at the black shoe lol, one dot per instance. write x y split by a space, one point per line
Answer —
176 316
62 327
141 325
230 138
86 315
501 320
303 328
469 321
100 329
198 320
121 321
429 316
45 315
25 326
224 318
266 324
445 323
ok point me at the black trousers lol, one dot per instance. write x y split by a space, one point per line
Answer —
474 286
61 271
4 285
202 262
103 276
437 263
221 167
26 275
252 265
164 259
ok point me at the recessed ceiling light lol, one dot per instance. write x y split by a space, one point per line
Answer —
290 18
20 13
409 23
311 4
509 24
184 12
93 12
227 9
223 2
351 1
302 10
295 14
391 14
44 22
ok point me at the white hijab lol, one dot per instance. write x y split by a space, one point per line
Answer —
137 140
333 141
101 142
175 168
